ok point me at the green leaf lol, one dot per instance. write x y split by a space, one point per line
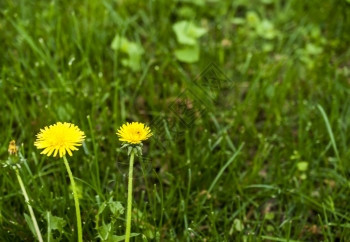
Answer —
30 223
128 47
104 231
187 32
57 223
124 146
129 150
148 233
302 165
313 49
238 225
303 176
238 21
139 150
188 54
134 62
120 43
252 19
269 216
266 30
295 156
133 50
54 223
102 208
116 208
78 189
270 228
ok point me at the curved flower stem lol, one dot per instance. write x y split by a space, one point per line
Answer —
32 215
76 200
128 213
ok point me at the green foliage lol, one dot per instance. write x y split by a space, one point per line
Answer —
54 224
269 160
188 54
133 50
302 165
106 231
187 34
30 223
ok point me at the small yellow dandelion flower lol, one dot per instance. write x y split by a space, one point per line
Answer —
134 133
13 149
59 138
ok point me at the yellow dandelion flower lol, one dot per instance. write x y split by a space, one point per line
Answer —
134 133
13 149
59 138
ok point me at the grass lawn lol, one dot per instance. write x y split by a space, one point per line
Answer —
248 102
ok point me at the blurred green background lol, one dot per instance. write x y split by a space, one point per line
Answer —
262 156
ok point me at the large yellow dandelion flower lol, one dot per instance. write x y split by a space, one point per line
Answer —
59 138
134 133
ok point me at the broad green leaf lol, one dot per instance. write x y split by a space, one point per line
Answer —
116 208
57 223
302 165
270 228
120 43
187 32
133 50
303 176
104 231
148 233
238 225
266 30
295 156
313 49
186 12
188 54
252 19
269 216
54 223
126 46
134 62
238 21
79 190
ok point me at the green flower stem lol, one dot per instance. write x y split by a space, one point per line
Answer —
76 200
128 213
32 215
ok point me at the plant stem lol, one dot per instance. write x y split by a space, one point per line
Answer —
76 200
32 215
128 213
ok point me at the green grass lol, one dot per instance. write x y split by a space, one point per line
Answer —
232 175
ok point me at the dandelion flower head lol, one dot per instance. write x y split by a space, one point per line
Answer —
59 138
134 133
13 149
